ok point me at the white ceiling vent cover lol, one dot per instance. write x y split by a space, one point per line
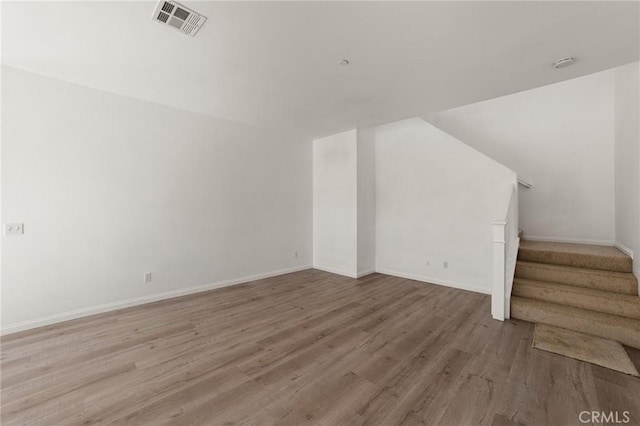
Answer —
178 17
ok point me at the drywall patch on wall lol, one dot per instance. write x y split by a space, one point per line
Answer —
561 139
110 188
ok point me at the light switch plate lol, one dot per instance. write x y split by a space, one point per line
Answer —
13 228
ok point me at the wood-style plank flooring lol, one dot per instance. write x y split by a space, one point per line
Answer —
303 348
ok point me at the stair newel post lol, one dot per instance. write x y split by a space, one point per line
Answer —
499 265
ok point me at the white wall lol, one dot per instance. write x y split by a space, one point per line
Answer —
366 202
435 200
109 188
627 159
335 203
560 138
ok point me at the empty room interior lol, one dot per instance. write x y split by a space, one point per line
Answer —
327 213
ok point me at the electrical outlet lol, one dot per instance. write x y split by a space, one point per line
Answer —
13 228
147 277
445 264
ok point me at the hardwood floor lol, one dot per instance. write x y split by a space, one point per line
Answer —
309 347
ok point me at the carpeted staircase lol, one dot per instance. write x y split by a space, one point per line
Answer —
582 289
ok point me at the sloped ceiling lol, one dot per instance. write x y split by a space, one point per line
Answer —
275 64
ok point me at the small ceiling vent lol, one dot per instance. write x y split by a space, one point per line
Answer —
178 17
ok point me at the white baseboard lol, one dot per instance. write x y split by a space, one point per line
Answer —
569 240
365 273
79 313
626 250
107 307
433 281
403 275
359 274
335 271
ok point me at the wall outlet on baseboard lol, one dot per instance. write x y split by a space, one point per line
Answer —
147 277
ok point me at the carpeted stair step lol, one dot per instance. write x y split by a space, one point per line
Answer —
634 354
620 282
625 305
605 258
584 347
624 330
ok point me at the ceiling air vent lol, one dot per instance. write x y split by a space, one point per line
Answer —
178 17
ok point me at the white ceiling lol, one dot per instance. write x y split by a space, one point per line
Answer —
276 64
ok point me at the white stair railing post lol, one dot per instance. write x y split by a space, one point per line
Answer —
499 255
